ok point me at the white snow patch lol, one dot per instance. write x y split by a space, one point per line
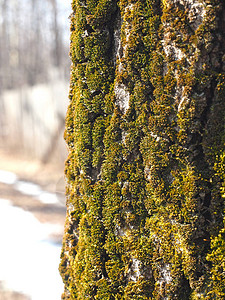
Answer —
7 177
27 188
28 261
34 190
48 198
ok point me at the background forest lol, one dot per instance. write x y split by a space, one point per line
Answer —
34 74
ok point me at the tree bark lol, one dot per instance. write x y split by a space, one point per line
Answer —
145 133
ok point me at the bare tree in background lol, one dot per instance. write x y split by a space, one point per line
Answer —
4 42
33 56
57 53
31 41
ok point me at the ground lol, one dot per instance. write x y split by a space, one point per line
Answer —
50 178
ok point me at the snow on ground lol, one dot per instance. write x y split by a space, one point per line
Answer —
28 188
28 260
7 177
32 189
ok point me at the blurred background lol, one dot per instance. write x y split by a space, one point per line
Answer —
34 86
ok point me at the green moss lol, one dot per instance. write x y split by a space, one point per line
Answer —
144 183
217 254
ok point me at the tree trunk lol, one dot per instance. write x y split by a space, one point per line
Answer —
145 132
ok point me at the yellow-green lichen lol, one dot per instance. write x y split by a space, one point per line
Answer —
145 129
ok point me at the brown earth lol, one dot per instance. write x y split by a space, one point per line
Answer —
50 175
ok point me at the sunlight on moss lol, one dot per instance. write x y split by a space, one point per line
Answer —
144 128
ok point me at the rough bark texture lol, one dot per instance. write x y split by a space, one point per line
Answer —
145 132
